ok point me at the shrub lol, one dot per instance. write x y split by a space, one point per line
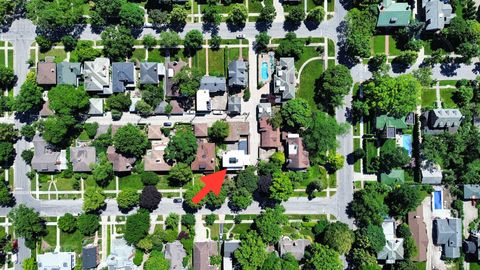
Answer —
149 178
138 259
90 129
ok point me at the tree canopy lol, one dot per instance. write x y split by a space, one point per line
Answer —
137 226
238 15
117 43
182 146
93 200
319 257
27 223
332 86
251 253
150 198
187 81
338 236
30 96
67 100
130 140
296 114
269 224
218 131
290 46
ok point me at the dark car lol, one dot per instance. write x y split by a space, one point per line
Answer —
167 124
177 200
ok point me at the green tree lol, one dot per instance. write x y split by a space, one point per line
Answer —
29 264
91 129
215 42
172 221
149 41
27 155
363 260
319 257
180 174
261 41
178 16
218 131
159 17
130 140
238 15
332 86
290 46
368 206
211 14
188 220
241 198
143 108
93 200
338 236
131 15
67 100
6 197
296 15
108 10
84 51
88 224
157 261
210 219
56 16
55 129
149 178
169 39
404 199
469 10
119 102
182 146
251 253
8 132
27 223
424 76
137 226
28 131
117 43
102 171
152 94
247 179
7 78
150 198
360 25
316 15
187 81
128 198
406 58
30 96
7 152
296 114
267 14
69 43
374 237
281 188
269 224
190 193
193 41
67 223
392 156
468 51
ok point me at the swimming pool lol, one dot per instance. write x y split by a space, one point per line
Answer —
437 199
407 143
264 71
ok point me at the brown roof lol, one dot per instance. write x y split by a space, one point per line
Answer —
176 109
45 111
269 137
205 158
46 73
237 129
155 162
201 130
176 67
419 232
201 255
155 132
119 161
297 156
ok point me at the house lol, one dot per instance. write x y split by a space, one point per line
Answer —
229 248
161 108
234 105
56 261
441 120
284 78
388 126
96 106
203 102
264 110
419 232
205 159
96 75
393 14
155 132
213 84
295 247
83 158
121 256
269 137
237 74
437 14
471 247
90 258
431 173
447 233
176 108
46 157
174 253
297 156
150 72
393 249
155 162
235 160
237 130
395 177
172 69
123 76
202 251
119 161
68 73
46 73
471 192
200 130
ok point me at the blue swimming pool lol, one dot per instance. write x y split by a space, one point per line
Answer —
264 71
407 143
437 199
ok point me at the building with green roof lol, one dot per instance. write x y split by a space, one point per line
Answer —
68 73
393 14
388 125
395 177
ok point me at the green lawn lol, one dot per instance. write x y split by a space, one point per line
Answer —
130 181
216 62
371 151
330 5
156 56
309 75
428 97
289 6
51 237
71 241
448 82
234 54
139 54
311 5
357 165
65 183
59 55
10 58
199 61
446 97
241 228
473 266
308 52
2 58
393 50
377 45
331 47
254 6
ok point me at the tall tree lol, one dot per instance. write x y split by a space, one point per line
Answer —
180 174
102 171
30 96
131 15
94 199
281 188
238 15
182 146
27 223
117 43
404 199
338 236
130 140
67 100
218 131
150 198
137 226
269 224
368 206
251 253
296 114
332 86
193 41
187 81
319 257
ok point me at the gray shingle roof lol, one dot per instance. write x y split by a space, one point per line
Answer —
96 106
284 78
213 84
237 74
46 157
448 234
82 158
149 73
295 247
122 75
97 75
471 192
160 109
437 14
89 257
234 105
68 73
174 252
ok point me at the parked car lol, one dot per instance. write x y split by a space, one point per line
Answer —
167 124
177 200
240 36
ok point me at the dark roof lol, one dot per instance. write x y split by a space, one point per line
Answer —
237 74
46 73
122 74
89 257
213 84
234 104
229 247
149 73
68 73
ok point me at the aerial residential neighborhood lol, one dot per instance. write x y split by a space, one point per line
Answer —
246 134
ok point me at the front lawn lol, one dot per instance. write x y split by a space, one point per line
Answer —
393 50
331 47
71 241
371 152
308 52
59 55
130 181
199 61
156 56
51 237
254 6
377 45
428 97
216 62
357 165
287 7
310 74
139 54
446 97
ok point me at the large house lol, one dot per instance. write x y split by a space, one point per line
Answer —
123 76
393 14
96 75
297 156
119 161
174 253
437 14
121 256
150 72
234 105
56 261
295 247
205 159
83 158
441 120
46 157
213 84
68 73
393 249
447 233
269 136
46 73
419 232
202 251
284 79
389 127
237 74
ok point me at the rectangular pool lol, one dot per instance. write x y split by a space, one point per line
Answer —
437 200
407 143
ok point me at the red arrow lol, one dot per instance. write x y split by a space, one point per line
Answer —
213 182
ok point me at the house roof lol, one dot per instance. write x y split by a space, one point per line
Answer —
202 251
437 14
235 160
234 104
161 107
174 252
448 234
213 84
237 74
89 257
431 172
205 159
237 129
445 118
46 73
264 110
150 71
298 158
200 130
419 232
396 176
384 121
294 247
68 73
176 109
155 162
393 14
203 102
96 75
269 137
82 158
155 132
284 78
172 69
56 261
96 106
46 157
123 74
393 249
119 161
471 192
229 247
121 256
